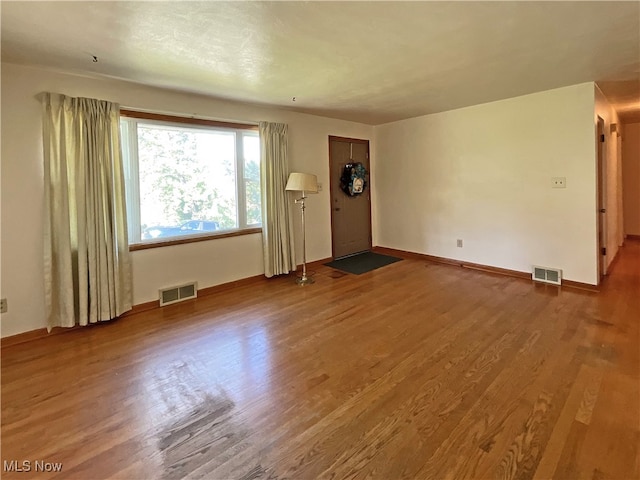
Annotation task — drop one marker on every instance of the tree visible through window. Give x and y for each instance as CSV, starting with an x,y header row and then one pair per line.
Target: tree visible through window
x,y
189,180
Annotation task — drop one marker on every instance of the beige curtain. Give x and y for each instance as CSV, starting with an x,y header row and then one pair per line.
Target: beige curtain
x,y
277,227
87,266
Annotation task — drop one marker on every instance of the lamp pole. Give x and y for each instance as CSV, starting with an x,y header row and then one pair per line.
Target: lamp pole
x,y
302,182
304,280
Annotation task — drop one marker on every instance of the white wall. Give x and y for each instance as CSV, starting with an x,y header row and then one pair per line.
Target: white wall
x,y
631,178
211,262
613,158
483,174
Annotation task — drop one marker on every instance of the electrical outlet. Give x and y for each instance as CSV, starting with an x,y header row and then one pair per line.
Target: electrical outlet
x,y
319,187
559,182
459,243
3,305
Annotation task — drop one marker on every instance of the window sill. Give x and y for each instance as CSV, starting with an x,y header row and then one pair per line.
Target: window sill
x,y
193,238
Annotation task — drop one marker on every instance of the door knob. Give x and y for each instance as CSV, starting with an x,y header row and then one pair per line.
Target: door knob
x,y
602,210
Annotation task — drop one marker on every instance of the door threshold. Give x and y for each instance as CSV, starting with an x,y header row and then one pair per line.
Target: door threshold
x,y
351,255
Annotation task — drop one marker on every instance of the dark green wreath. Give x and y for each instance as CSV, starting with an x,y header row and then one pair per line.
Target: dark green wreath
x,y
353,181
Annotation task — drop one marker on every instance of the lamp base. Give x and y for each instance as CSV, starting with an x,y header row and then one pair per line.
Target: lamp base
x,y
304,280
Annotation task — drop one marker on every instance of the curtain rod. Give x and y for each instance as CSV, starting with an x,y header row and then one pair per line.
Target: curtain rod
x,y
188,115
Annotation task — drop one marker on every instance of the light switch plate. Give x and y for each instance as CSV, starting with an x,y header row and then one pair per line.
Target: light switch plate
x,y
559,182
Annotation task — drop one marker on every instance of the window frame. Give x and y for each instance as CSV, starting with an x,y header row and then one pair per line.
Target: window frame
x,y
133,193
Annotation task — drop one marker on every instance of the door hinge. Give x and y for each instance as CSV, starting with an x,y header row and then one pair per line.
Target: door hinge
x,y
602,137
604,251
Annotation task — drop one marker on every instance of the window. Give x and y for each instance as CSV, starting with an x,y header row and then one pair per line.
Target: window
x,y
189,179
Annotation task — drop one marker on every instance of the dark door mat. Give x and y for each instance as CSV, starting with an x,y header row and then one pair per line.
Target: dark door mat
x,y
362,262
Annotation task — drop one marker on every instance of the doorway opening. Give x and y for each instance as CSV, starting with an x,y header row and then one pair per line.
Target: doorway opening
x,y
601,200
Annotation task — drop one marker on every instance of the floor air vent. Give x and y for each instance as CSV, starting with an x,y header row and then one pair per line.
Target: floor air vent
x,y
178,294
547,275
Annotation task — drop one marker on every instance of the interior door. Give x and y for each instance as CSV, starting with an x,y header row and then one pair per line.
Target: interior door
x,y
602,201
350,215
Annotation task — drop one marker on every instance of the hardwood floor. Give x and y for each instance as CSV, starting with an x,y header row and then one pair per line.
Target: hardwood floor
x,y
415,370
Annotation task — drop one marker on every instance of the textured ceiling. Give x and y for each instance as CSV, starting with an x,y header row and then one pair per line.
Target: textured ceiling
x,y
371,62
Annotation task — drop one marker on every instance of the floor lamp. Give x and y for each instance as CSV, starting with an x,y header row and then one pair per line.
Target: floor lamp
x,y
305,183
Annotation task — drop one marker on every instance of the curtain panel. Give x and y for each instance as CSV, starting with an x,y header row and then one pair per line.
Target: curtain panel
x,y
277,226
86,251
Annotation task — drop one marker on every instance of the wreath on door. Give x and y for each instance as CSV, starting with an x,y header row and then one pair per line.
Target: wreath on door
x,y
353,181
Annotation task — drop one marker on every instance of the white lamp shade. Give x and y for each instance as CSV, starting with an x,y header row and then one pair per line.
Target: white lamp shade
x,y
302,182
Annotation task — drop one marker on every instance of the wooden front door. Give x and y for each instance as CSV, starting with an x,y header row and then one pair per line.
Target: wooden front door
x,y
350,215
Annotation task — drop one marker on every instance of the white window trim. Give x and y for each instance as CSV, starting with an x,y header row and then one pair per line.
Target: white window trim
x,y
129,126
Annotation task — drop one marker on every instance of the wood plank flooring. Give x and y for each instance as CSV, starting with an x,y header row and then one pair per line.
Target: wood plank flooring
x,y
415,370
